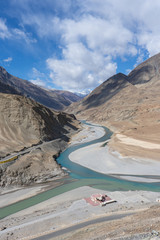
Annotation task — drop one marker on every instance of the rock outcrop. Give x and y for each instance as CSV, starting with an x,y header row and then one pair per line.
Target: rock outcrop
x,y
25,123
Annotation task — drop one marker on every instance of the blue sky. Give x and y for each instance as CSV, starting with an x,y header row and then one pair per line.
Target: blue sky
x,y
75,45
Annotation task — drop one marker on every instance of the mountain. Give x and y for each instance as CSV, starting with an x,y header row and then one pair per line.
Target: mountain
x,y
25,123
4,88
106,91
50,98
68,97
146,72
128,105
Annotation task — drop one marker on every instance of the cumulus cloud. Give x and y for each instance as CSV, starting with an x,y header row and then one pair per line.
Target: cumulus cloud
x,y
22,35
90,43
80,68
14,33
38,78
9,59
4,32
37,74
91,36
107,36
140,17
88,46
38,82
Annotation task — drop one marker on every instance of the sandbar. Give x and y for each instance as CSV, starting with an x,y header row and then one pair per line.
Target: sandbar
x,y
100,158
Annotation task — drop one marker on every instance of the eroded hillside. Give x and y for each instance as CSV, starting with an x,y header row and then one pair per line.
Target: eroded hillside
x,y
129,105
24,123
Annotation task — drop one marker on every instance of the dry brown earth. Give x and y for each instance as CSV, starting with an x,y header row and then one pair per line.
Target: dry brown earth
x,y
144,224
56,99
24,123
129,105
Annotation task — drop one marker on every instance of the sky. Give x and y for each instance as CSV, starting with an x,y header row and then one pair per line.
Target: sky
x,y
75,45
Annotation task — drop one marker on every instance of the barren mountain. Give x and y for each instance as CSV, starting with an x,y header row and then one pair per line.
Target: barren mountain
x,y
24,123
130,106
4,88
50,98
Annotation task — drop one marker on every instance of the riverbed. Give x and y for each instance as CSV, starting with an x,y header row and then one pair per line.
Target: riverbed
x,y
79,175
93,160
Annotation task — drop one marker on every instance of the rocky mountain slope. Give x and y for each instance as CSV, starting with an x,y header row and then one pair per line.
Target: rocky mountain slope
x,y
129,105
23,123
4,88
50,98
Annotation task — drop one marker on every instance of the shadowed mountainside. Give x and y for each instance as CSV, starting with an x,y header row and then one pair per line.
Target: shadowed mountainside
x,y
4,88
129,105
51,98
146,72
24,123
109,88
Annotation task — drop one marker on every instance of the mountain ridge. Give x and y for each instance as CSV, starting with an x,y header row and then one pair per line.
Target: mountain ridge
x,y
129,105
25,123
50,98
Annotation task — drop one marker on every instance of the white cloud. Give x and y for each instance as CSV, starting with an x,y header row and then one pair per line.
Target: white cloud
x,y
128,71
38,82
22,35
9,59
80,68
14,33
39,14
140,58
140,17
88,45
108,36
37,74
38,78
91,35
4,32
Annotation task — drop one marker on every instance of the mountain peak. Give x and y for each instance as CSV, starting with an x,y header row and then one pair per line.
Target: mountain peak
x,y
3,70
52,99
120,75
146,71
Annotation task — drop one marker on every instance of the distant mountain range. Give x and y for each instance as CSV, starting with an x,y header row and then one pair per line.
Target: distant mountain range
x,y
127,104
55,99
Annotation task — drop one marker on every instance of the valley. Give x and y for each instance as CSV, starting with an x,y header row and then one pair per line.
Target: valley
x,y
129,106
59,161
66,206
39,133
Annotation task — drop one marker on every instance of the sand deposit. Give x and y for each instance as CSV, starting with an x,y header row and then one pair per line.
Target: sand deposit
x,y
100,158
70,208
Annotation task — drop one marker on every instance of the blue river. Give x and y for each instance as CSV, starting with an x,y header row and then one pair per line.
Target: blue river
x,y
80,176
100,180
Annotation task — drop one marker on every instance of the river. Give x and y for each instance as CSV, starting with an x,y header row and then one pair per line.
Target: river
x,y
80,176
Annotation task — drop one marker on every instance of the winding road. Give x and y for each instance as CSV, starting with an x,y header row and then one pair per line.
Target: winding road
x,y
78,226
14,156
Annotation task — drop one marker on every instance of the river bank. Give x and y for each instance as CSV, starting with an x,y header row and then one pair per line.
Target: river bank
x,y
99,157
87,133
70,207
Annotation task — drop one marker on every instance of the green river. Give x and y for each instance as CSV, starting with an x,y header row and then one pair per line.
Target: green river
x,y
80,176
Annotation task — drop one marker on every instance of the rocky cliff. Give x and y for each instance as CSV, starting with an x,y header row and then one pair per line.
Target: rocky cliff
x,y
24,123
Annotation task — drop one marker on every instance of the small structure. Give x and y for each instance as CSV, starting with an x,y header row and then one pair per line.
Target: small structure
x,y
99,200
